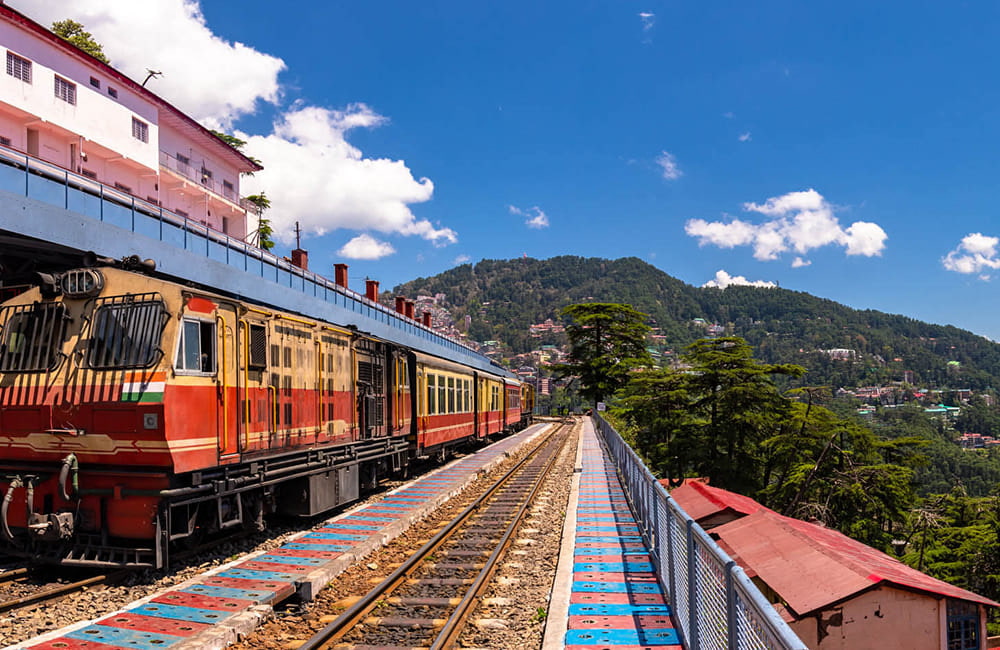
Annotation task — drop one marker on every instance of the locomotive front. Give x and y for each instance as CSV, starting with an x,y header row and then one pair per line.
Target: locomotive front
x,y
82,375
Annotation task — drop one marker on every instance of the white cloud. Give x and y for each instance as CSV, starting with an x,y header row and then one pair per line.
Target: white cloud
x,y
312,174
461,259
171,36
667,161
975,253
365,247
723,280
745,137
534,216
648,20
800,222
798,263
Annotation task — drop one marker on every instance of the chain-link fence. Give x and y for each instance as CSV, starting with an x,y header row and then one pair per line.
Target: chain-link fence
x,y
715,605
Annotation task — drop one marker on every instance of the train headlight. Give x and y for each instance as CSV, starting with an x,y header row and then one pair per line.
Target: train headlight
x,y
82,283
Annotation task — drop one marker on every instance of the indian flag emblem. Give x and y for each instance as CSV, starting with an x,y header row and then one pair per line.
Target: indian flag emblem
x,y
144,388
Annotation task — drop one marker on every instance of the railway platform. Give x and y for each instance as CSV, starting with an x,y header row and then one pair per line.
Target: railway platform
x,y
228,602
607,594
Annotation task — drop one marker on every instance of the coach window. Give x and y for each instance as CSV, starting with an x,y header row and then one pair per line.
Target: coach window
x,y
442,395
258,347
431,393
468,396
196,347
451,395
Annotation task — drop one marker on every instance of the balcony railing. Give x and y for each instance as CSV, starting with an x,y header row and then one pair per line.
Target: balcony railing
x,y
202,177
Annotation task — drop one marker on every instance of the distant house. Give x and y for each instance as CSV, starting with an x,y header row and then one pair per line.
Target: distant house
x,y
835,592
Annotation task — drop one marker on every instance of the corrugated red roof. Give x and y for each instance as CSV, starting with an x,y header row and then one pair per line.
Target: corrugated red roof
x,y
701,500
812,567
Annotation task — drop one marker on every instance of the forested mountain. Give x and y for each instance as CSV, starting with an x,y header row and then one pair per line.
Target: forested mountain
x,y
504,297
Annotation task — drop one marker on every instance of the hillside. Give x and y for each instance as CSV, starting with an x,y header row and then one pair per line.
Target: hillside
x,y
504,297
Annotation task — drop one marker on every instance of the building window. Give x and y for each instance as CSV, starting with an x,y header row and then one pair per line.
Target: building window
x,y
89,173
95,82
123,187
140,130
18,66
65,90
963,625
112,92
4,140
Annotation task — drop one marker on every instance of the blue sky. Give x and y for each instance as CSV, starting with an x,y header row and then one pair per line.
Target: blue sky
x,y
845,149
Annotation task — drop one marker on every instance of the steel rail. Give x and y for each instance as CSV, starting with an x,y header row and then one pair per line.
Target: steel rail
x,y
14,574
61,590
357,612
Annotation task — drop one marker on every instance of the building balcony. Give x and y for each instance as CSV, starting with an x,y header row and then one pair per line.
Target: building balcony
x,y
203,177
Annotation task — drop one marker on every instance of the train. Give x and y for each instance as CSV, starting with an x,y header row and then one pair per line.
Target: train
x,y
142,414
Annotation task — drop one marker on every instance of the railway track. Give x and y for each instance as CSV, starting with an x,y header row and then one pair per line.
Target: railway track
x,y
427,601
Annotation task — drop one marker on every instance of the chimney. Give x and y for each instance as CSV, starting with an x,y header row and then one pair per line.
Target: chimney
x,y
300,258
371,290
401,305
427,319
340,275
409,309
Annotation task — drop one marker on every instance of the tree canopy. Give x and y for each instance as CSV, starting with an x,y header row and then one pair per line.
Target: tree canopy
x,y
607,341
75,33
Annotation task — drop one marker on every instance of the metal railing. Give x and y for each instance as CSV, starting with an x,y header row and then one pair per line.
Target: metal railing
x,y
201,176
715,605
54,185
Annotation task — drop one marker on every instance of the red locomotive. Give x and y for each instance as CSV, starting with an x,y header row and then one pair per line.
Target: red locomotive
x,y
138,413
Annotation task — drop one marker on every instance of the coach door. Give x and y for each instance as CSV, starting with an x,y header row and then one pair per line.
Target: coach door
x,y
401,410
370,388
257,385
226,321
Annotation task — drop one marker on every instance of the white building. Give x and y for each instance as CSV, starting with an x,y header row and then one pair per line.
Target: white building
x,y
62,106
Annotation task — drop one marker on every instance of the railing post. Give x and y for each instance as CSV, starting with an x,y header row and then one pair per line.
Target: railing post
x,y
732,621
694,641
671,552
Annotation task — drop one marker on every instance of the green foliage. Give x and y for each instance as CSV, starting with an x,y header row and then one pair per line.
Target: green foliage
x,y
235,143
723,417
264,230
504,297
607,341
231,140
75,33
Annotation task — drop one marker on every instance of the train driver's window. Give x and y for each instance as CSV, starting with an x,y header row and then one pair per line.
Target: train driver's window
x,y
196,347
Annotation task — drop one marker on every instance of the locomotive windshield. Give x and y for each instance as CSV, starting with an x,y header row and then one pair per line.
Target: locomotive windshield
x,y
32,336
127,331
